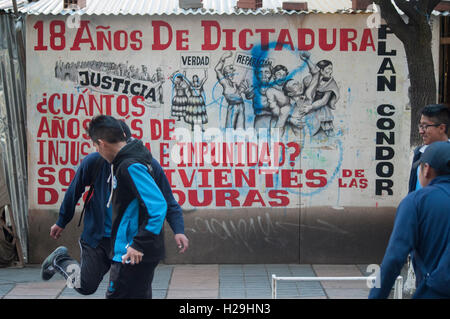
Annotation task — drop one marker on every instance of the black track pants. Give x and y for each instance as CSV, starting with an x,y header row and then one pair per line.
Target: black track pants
x,y
95,263
128,281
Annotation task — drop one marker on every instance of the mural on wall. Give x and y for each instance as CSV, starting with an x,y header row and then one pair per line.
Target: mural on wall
x,y
238,116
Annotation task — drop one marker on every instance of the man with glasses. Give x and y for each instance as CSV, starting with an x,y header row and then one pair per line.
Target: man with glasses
x,y
433,127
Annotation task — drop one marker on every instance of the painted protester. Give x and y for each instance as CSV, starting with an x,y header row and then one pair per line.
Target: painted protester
x,y
196,110
324,94
232,92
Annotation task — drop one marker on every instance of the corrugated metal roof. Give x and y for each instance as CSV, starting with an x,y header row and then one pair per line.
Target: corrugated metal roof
x,y
8,4
171,7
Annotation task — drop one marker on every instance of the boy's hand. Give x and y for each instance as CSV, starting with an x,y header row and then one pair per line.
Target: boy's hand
x,y
55,231
132,256
182,242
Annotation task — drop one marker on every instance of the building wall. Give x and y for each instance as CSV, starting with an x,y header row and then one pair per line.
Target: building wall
x,y
311,173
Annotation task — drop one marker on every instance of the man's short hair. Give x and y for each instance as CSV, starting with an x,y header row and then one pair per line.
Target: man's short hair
x,y
106,128
440,113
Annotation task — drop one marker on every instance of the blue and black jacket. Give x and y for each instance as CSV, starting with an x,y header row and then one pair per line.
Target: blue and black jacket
x,y
139,207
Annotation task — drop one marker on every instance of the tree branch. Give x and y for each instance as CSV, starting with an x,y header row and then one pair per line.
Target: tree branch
x,y
394,20
410,9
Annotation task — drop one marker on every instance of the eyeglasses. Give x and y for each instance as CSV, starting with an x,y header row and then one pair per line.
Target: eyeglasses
x,y
424,127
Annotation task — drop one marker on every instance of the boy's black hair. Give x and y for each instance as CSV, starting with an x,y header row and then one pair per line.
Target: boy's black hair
x,y
440,113
126,130
107,128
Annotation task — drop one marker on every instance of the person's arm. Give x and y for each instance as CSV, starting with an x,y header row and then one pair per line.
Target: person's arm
x,y
401,243
219,66
172,76
205,77
174,212
76,188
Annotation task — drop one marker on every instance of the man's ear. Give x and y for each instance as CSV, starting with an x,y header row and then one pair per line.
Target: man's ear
x,y
442,129
100,142
429,172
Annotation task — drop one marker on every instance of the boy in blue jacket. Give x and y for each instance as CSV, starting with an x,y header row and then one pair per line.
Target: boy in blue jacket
x,y
95,242
422,228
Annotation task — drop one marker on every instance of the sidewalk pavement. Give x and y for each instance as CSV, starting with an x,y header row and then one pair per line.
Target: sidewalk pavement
x,y
210,281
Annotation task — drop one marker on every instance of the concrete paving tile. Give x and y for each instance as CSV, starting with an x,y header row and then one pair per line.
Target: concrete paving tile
x,y
259,294
231,279
19,291
231,274
284,273
258,286
49,290
302,271
227,266
5,288
232,297
231,293
36,290
60,284
237,287
319,293
348,293
195,277
291,286
192,293
20,275
156,285
258,290
340,271
82,297
257,279
309,286
337,270
159,293
21,296
344,284
227,284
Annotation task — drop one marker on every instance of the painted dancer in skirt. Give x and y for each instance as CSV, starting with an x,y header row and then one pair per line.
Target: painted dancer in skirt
x,y
196,110
180,100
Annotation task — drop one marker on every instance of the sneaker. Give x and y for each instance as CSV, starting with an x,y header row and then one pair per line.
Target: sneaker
x,y
48,267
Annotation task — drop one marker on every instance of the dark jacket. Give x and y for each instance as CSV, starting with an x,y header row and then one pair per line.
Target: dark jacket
x,y
97,218
139,207
422,227
413,172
